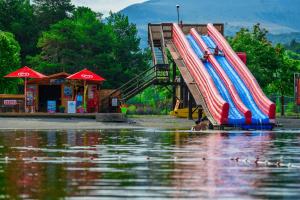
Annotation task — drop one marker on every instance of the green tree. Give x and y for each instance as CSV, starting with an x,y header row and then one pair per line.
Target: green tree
x,y
27,21
261,55
130,59
75,43
294,46
293,55
49,12
16,16
271,66
85,40
283,79
9,61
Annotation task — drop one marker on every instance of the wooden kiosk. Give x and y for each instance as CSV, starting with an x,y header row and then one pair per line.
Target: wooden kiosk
x,y
58,91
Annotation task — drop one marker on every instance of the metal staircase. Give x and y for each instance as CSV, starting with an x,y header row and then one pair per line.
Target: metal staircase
x,y
158,74
156,40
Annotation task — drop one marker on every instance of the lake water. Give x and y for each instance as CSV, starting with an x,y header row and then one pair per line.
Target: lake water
x,y
148,164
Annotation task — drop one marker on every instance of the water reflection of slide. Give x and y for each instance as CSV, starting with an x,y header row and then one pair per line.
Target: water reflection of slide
x,y
204,164
230,91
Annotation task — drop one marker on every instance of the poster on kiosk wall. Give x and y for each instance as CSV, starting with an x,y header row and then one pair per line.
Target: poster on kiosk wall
x,y
71,106
51,106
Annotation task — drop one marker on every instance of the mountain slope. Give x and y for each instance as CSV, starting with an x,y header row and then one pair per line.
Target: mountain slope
x,y
279,16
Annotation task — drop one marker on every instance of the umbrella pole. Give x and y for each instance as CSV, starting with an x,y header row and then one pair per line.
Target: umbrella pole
x,y
25,95
84,92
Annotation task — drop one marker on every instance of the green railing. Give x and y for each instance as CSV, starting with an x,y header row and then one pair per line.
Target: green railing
x,y
154,75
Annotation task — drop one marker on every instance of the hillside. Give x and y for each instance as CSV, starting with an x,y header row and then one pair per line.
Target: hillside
x,y
278,16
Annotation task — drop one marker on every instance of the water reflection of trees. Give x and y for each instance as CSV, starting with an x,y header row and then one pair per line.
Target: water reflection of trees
x,y
28,174
183,164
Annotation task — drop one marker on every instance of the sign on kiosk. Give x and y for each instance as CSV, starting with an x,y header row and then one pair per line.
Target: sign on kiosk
x,y
51,106
114,102
298,91
71,106
10,102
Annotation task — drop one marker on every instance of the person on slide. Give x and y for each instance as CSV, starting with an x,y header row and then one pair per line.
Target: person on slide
x,y
205,56
218,52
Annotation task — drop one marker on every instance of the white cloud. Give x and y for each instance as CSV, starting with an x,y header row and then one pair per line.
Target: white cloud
x,y
104,6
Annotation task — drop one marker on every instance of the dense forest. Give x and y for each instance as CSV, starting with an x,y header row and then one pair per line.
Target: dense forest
x,y
53,36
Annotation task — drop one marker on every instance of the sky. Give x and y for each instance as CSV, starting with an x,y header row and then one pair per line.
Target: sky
x,y
104,6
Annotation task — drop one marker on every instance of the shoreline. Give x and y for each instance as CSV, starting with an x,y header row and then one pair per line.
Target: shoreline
x,y
160,122
134,122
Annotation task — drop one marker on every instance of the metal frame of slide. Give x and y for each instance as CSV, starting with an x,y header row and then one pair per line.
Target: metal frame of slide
x,y
268,107
221,73
215,103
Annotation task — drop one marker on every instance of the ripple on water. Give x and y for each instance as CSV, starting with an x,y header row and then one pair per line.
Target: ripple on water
x,y
150,164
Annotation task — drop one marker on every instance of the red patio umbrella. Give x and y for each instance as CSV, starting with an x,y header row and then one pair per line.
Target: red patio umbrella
x,y
25,72
85,75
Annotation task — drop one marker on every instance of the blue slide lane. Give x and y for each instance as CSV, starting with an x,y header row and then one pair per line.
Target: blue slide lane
x,y
258,117
234,117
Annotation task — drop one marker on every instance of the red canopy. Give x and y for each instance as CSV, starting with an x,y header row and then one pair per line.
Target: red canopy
x,y
86,75
25,72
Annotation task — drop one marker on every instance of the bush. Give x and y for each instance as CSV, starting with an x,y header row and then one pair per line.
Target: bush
x,y
290,108
131,109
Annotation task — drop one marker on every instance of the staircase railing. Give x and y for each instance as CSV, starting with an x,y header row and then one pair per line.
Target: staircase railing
x,y
156,74
136,84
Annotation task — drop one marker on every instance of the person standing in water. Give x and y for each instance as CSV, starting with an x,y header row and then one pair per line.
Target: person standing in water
x,y
201,124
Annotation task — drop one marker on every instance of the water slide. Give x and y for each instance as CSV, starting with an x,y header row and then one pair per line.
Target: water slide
x,y
217,106
267,107
235,117
231,93
257,115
